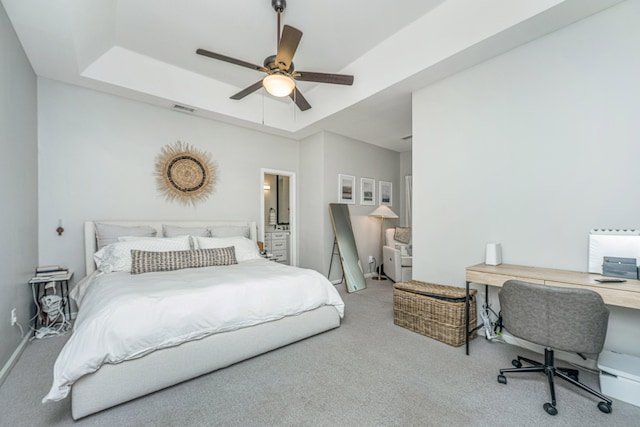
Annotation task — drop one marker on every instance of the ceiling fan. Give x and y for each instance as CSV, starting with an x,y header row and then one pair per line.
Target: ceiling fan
x,y
281,75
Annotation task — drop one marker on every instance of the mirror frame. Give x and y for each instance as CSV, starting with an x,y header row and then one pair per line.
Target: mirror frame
x,y
293,214
348,250
282,192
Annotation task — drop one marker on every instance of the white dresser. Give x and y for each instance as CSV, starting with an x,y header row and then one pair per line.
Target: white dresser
x,y
277,244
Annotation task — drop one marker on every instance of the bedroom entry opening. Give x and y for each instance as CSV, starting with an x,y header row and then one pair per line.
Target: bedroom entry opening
x,y
278,210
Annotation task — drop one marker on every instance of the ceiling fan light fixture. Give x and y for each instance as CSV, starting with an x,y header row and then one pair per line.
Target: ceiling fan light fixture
x,y
279,85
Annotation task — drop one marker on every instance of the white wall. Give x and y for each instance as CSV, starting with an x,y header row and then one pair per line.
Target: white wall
x,y
97,159
532,149
332,155
18,186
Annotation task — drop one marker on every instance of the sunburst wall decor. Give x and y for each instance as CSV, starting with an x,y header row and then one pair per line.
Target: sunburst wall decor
x,y
185,174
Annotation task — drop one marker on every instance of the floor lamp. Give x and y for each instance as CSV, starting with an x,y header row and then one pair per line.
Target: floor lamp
x,y
382,212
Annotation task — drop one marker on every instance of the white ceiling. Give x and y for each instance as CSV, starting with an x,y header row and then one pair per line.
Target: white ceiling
x,y
145,50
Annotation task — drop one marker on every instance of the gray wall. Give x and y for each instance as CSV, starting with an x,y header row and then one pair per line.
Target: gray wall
x,y
107,145
533,149
323,157
312,204
97,160
18,186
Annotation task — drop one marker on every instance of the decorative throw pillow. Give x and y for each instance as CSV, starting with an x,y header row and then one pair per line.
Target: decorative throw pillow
x,y
146,262
213,256
107,234
402,235
246,249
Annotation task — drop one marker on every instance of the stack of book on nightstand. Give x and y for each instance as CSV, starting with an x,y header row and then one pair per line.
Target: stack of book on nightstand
x,y
51,271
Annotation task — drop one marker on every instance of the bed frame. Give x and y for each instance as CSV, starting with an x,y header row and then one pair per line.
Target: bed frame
x,y
113,384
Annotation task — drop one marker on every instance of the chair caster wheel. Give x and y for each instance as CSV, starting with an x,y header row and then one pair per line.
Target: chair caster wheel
x,y
503,380
516,363
551,410
604,407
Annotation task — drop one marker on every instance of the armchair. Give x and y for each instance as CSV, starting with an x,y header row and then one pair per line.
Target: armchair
x,y
397,258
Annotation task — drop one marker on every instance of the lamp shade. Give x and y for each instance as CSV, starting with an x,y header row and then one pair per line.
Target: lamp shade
x,y
278,85
383,211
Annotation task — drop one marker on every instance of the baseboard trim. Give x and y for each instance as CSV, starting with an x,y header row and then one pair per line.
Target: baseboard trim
x,y
6,369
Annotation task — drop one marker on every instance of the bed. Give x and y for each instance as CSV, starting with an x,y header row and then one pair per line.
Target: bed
x,y
279,305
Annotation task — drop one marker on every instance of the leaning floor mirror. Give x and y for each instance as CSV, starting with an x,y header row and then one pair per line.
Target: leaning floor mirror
x,y
351,266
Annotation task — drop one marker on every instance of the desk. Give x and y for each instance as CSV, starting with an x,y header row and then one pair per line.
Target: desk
x,y
625,294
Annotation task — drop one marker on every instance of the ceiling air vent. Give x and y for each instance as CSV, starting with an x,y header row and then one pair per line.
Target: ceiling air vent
x,y
183,108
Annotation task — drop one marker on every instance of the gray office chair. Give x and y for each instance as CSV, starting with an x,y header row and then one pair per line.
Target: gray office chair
x,y
568,319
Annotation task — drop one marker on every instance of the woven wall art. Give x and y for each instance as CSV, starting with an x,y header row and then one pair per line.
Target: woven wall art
x,y
185,174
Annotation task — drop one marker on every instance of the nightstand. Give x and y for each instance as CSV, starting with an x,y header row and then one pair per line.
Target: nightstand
x,y
50,285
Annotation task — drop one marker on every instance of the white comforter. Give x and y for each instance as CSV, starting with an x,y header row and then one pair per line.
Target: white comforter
x,y
125,316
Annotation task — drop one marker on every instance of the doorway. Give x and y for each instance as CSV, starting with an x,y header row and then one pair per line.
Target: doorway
x,y
278,206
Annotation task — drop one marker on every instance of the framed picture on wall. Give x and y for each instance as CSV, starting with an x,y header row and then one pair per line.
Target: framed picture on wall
x,y
367,191
386,193
346,189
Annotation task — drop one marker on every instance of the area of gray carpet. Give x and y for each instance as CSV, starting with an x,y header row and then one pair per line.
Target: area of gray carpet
x,y
368,372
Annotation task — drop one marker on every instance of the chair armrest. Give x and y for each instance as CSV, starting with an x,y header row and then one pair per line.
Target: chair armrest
x,y
392,261
390,248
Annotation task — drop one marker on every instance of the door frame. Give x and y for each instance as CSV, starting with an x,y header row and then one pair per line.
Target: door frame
x,y
293,210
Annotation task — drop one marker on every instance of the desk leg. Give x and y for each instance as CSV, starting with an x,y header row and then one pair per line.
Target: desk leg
x,y
486,297
466,319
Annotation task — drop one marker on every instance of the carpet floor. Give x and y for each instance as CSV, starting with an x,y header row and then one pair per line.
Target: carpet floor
x,y
368,372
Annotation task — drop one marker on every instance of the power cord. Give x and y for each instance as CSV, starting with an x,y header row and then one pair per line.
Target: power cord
x,y
492,330
50,309
21,330
375,265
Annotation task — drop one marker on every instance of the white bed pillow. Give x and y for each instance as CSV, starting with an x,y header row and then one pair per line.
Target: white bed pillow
x,y
246,249
107,234
229,231
174,230
179,238
117,256
78,291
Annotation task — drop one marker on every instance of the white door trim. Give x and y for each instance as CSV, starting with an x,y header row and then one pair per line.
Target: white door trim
x,y
293,210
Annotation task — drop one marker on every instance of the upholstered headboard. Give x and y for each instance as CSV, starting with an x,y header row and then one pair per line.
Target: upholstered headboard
x,y
91,246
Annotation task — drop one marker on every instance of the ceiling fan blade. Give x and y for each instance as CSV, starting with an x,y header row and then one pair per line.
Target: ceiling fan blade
x,y
287,47
337,79
230,60
244,92
300,100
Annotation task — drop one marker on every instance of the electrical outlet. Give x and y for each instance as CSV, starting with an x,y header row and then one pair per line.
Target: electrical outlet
x,y
14,317
370,258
